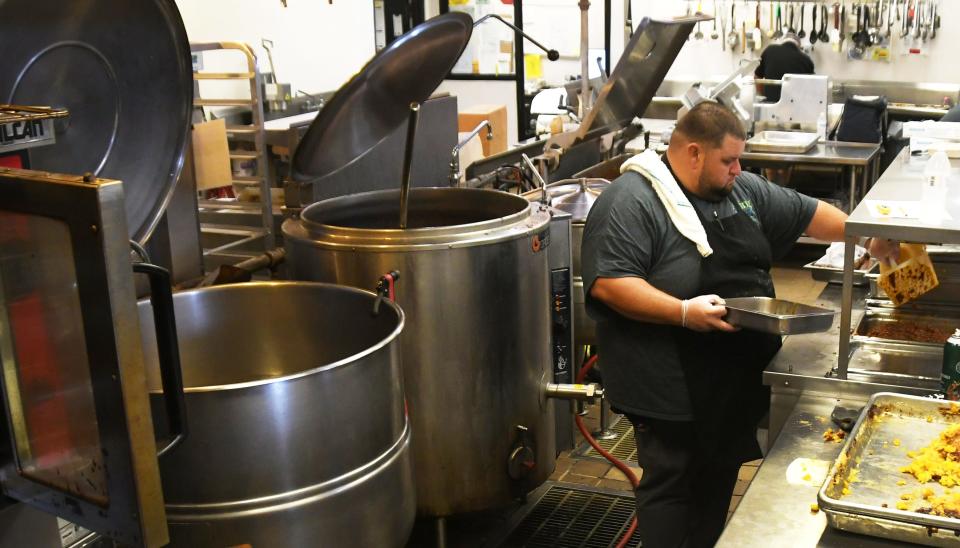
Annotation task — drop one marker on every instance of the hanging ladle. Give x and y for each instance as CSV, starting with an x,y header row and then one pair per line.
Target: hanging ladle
x,y
824,35
814,35
803,33
714,35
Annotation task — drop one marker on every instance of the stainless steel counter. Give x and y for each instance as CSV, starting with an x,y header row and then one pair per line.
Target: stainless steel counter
x,y
832,153
807,365
902,182
805,388
775,511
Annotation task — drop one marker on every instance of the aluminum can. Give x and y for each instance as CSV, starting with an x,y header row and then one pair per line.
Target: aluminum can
x,y
950,374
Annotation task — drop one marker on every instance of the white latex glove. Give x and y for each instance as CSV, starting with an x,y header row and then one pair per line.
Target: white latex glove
x,y
705,313
885,251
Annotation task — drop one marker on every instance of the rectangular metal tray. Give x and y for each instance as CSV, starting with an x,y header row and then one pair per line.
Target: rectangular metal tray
x,y
782,141
835,275
777,315
894,362
873,317
872,460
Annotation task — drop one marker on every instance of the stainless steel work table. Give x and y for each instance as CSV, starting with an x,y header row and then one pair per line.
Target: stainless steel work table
x,y
287,131
775,511
859,160
807,364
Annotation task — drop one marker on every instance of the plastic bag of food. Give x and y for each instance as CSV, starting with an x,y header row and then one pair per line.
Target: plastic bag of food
x,y
912,277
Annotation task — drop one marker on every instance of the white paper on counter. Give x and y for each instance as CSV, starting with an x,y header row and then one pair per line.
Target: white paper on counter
x,y
894,209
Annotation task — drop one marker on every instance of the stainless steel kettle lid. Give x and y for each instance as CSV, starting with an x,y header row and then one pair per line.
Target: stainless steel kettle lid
x,y
376,101
574,196
122,69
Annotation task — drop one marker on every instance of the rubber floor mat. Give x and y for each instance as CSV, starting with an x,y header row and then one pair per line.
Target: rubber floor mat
x,y
567,516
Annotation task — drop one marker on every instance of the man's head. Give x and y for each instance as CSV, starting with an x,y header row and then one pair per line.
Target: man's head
x,y
790,37
705,150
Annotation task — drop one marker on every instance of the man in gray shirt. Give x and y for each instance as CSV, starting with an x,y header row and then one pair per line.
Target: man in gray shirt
x,y
690,382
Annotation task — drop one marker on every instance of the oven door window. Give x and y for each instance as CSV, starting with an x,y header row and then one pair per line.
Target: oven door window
x,y
45,363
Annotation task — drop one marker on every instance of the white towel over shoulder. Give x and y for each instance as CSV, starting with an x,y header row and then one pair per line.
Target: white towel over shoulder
x,y
678,207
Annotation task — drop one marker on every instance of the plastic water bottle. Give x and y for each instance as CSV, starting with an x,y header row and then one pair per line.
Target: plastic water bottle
x,y
934,192
822,126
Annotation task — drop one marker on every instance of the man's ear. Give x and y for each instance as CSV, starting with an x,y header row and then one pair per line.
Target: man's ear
x,y
695,154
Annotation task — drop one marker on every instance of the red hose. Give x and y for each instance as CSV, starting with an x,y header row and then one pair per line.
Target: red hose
x,y
631,477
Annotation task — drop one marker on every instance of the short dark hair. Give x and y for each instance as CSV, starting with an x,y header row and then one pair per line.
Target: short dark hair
x,y
708,123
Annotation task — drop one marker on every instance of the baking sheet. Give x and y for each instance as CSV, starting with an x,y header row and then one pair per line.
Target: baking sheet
x,y
782,141
868,467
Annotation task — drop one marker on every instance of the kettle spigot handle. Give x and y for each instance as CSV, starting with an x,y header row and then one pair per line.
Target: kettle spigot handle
x,y
536,174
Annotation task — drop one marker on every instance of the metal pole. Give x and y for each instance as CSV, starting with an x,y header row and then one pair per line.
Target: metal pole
x,y
407,160
603,432
846,303
628,22
441,532
584,61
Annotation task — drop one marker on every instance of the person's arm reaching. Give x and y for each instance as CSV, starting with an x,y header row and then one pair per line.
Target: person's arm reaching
x,y
636,299
827,223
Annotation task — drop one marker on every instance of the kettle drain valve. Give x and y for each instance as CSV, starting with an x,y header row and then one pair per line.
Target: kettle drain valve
x,y
581,392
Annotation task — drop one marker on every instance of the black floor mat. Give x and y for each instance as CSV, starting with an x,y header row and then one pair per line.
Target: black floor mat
x,y
569,516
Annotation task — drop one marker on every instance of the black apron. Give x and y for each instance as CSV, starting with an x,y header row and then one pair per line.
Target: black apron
x,y
724,370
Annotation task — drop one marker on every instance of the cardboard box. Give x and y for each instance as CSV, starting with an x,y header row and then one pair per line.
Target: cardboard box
x,y
469,117
211,155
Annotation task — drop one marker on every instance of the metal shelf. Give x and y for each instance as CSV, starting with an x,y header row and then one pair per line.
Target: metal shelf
x,y
240,236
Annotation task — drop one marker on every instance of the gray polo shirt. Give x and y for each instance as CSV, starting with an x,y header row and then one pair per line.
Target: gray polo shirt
x,y
629,234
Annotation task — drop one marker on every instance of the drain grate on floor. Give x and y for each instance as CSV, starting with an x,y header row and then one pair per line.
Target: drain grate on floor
x,y
575,518
624,446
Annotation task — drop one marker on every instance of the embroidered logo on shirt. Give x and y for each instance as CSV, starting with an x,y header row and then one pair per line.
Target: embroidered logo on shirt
x,y
747,207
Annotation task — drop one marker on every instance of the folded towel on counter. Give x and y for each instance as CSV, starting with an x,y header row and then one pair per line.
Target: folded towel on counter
x,y
678,207
834,256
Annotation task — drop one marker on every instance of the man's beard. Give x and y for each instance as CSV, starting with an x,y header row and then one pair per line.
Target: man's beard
x,y
713,193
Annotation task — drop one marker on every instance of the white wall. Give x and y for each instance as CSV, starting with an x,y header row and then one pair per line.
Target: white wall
x,y
704,59
553,23
318,45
